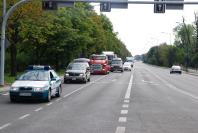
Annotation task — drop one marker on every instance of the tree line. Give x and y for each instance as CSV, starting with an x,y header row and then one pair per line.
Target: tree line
x,y
57,37
183,52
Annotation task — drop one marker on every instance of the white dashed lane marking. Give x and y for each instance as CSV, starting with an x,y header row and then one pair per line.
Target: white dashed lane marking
x,y
125,105
38,109
122,119
24,116
4,126
126,101
120,130
49,104
58,99
123,112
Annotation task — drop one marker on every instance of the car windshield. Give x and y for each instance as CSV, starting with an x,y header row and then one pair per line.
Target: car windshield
x,y
116,62
76,67
127,64
35,75
98,57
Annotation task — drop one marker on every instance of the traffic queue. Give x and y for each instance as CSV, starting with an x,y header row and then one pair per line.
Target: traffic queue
x,y
43,83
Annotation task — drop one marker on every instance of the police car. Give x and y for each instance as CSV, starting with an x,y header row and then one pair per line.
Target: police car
x,y
38,82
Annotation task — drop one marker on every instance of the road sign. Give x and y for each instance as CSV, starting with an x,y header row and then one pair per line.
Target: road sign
x,y
175,6
159,8
120,5
105,6
49,5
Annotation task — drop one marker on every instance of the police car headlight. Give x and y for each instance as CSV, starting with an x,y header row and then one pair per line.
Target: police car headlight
x,y
37,89
66,74
14,89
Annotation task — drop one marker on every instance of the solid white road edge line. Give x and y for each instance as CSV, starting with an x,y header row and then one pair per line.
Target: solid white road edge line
x,y
5,125
128,92
174,87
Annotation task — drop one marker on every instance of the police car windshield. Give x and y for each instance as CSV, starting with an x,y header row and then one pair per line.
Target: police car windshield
x,y
76,67
35,75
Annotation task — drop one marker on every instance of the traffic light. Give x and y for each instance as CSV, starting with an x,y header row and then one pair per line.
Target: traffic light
x,y
105,7
49,5
159,8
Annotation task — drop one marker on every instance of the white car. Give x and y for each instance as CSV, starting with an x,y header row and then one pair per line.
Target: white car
x,y
127,66
175,69
38,82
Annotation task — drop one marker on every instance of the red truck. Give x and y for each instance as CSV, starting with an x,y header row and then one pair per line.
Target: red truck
x,y
99,64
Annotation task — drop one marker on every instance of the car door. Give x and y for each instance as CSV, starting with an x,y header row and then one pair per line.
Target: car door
x,y
53,83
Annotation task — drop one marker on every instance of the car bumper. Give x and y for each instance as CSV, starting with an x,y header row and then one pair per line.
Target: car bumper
x,y
175,71
74,78
29,95
116,69
98,71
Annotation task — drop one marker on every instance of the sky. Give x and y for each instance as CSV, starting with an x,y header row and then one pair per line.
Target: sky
x,y
140,28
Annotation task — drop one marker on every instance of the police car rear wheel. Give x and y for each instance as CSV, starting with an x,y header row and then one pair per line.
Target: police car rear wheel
x,y
58,94
48,96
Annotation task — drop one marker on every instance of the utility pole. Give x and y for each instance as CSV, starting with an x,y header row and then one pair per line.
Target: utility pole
x,y
2,45
187,45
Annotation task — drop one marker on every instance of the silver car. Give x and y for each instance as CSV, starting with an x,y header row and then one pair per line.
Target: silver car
x,y
77,72
175,69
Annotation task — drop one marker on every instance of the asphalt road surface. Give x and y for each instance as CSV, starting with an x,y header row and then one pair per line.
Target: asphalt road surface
x,y
146,100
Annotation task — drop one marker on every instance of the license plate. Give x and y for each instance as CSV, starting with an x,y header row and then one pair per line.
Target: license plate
x,y
73,78
25,94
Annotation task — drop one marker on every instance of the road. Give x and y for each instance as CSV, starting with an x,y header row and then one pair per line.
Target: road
x,y
146,100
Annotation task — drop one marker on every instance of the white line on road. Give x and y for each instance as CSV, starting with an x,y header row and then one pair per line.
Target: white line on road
x,y
38,109
58,99
49,104
124,112
122,119
126,101
67,95
5,125
120,130
128,92
125,105
24,116
174,87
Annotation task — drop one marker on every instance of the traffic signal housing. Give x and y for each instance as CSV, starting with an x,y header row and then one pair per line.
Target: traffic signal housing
x,y
49,5
159,8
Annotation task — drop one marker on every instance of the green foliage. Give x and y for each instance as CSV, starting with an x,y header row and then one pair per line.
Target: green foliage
x,y
57,37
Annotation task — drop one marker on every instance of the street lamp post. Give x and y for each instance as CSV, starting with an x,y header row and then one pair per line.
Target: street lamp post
x,y
3,29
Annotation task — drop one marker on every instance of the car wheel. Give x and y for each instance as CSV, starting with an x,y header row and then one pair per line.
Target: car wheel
x,y
59,91
89,79
85,80
12,99
48,96
66,81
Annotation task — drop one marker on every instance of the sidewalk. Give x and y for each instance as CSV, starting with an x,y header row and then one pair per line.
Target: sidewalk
x,y
4,88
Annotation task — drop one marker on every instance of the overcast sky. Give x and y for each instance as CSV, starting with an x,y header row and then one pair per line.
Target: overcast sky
x,y
139,28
